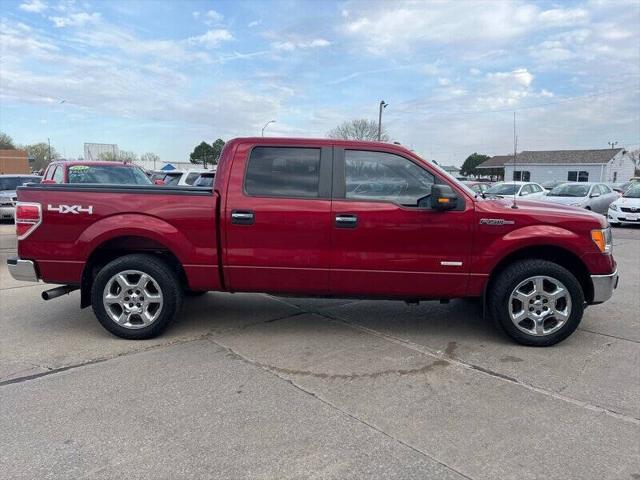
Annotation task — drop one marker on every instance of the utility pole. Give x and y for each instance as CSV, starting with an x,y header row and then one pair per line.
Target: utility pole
x,y
613,144
382,105
266,125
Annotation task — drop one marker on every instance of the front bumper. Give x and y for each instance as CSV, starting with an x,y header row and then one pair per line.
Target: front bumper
x,y
617,216
603,286
24,270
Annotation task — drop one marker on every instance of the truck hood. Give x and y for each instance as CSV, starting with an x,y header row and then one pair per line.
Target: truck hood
x,y
540,211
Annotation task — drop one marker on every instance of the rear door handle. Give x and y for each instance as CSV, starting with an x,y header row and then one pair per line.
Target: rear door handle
x,y
346,220
242,217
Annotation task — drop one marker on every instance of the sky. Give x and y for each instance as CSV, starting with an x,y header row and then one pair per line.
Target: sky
x,y
162,76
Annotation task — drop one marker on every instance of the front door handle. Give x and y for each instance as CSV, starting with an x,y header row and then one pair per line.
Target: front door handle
x,y
346,220
242,217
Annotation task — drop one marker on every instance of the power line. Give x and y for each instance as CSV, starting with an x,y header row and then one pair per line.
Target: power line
x,y
529,107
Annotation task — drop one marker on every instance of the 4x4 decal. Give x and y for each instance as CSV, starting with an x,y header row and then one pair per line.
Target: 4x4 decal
x,y
75,209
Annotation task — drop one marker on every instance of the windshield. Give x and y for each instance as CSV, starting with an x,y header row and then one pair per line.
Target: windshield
x,y
11,183
172,178
503,189
118,175
570,190
204,181
633,192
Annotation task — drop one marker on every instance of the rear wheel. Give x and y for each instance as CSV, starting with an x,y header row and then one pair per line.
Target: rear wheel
x,y
136,296
536,302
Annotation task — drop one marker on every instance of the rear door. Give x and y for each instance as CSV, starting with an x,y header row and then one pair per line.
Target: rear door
x,y
384,244
277,219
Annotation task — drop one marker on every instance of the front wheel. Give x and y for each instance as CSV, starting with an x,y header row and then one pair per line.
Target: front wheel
x,y
136,296
536,302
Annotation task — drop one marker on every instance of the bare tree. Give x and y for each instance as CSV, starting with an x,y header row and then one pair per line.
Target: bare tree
x,y
6,142
150,157
635,157
122,156
358,129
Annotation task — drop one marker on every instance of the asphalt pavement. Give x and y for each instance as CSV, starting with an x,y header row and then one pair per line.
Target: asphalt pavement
x,y
262,387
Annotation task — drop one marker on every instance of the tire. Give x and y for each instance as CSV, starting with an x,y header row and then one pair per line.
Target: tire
x,y
121,285
543,319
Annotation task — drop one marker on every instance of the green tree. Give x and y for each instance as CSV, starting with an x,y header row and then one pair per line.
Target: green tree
x,y
41,154
218,145
203,153
359,129
469,167
6,142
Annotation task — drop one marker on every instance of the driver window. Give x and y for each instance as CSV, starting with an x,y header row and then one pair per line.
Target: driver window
x,y
386,177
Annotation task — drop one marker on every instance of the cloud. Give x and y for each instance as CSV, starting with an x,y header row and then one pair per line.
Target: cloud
x,y
75,19
520,76
290,45
212,38
254,23
409,25
212,17
33,6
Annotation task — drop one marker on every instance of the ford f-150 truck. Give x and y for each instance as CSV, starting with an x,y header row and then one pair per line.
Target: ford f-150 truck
x,y
314,218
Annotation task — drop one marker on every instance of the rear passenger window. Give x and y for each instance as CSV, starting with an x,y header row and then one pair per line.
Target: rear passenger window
x,y
58,175
283,172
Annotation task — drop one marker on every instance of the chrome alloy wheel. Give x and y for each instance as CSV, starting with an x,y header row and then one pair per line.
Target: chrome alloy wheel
x,y
132,299
540,305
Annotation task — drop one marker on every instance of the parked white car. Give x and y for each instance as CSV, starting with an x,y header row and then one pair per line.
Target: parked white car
x,y
627,208
520,189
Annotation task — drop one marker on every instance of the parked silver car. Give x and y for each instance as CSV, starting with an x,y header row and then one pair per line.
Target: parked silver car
x,y
592,196
8,185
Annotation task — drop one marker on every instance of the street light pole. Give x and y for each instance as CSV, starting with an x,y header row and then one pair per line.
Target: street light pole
x,y
266,125
382,105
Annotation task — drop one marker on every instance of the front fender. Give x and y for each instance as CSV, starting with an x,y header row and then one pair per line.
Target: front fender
x,y
501,246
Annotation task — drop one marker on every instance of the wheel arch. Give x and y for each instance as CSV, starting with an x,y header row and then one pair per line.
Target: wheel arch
x,y
553,253
119,246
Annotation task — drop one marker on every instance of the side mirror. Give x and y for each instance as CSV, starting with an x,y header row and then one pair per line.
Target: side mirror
x,y
159,182
595,194
443,198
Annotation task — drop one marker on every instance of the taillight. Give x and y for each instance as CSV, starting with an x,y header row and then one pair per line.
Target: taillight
x,y
28,218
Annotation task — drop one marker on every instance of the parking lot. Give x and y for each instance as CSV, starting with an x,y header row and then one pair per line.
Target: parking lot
x,y
256,386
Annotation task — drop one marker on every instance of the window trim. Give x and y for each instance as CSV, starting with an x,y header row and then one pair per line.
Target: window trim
x,y
324,175
340,181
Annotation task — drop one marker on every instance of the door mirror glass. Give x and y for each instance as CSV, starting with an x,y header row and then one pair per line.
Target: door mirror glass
x,y
442,198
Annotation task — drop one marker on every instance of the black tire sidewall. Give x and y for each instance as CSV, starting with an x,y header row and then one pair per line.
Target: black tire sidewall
x,y
161,273
514,274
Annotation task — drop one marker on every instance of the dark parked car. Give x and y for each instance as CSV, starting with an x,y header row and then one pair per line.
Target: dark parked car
x,y
478,187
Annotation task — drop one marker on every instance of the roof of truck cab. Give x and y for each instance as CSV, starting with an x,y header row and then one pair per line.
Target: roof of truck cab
x,y
318,141
70,163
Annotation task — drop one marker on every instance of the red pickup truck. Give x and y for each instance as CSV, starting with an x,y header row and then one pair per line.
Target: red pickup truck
x,y
314,218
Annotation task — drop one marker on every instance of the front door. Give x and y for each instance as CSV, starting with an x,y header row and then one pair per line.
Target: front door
x,y
383,243
277,219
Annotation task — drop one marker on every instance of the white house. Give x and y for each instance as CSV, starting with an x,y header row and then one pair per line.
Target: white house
x,y
606,165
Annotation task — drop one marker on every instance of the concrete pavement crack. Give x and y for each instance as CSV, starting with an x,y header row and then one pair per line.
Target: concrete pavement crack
x,y
485,371
275,371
